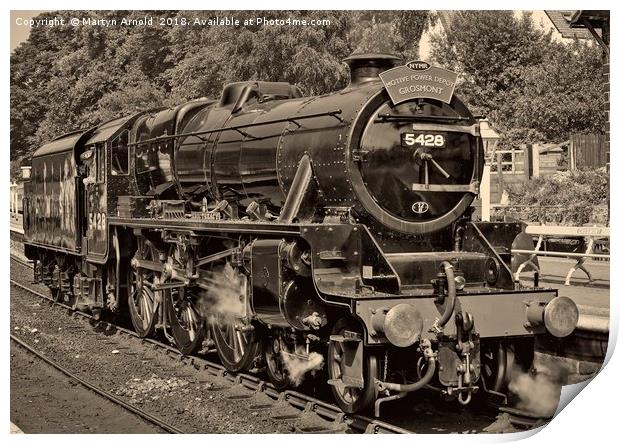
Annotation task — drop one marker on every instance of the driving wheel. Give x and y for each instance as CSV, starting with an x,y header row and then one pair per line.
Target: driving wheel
x,y
235,339
186,321
142,300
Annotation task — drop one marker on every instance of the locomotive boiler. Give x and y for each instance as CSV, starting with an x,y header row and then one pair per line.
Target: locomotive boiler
x,y
332,233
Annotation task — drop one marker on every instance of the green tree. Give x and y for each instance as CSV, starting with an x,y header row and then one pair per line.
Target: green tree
x,y
488,49
309,56
68,77
396,32
30,74
570,197
531,87
561,95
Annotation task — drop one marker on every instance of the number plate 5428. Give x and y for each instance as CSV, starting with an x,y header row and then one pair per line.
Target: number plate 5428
x,y
423,139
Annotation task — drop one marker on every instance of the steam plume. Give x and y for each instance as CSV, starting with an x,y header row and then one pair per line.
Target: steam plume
x,y
298,365
538,394
224,300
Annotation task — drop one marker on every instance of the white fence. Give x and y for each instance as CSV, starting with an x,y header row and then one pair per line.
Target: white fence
x,y
590,234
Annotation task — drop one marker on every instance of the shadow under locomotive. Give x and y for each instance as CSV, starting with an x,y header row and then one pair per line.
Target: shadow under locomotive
x,y
294,233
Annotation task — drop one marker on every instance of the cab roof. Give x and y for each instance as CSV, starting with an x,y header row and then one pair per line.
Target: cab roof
x,y
109,129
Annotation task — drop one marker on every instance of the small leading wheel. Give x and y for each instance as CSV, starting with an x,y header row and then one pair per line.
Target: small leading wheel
x,y
185,320
235,340
499,361
142,302
276,369
351,399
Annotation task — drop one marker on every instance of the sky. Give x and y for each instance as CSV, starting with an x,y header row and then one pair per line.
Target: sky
x,y
20,33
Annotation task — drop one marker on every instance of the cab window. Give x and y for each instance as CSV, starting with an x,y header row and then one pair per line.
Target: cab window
x,y
120,154
100,161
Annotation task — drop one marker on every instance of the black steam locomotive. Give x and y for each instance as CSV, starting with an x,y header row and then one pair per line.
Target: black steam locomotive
x,y
291,232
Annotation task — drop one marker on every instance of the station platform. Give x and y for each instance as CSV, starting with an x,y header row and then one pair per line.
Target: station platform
x,y
592,298
555,269
591,294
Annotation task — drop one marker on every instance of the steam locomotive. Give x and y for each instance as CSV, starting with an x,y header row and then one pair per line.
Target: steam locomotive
x,y
276,228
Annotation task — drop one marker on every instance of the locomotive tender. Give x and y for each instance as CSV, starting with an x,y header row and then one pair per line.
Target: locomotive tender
x,y
273,226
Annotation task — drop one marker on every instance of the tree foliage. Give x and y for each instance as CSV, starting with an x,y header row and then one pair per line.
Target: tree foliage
x,y
307,56
67,77
561,95
398,32
569,197
533,88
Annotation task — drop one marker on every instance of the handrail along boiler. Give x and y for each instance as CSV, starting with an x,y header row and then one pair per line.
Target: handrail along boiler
x,y
284,229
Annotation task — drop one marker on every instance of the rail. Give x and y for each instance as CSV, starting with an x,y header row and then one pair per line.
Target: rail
x,y
590,234
103,393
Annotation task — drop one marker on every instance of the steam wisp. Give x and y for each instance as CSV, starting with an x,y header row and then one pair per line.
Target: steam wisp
x,y
224,300
298,365
223,303
538,393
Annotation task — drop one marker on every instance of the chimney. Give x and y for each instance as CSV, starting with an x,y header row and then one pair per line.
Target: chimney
x,y
367,67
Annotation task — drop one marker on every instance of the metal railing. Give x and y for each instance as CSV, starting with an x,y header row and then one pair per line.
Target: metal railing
x,y
590,234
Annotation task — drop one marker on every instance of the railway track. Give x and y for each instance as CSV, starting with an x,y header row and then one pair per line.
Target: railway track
x,y
315,415
99,391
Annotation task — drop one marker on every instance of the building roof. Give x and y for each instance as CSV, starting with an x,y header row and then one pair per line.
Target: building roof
x,y
565,21
487,131
597,15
